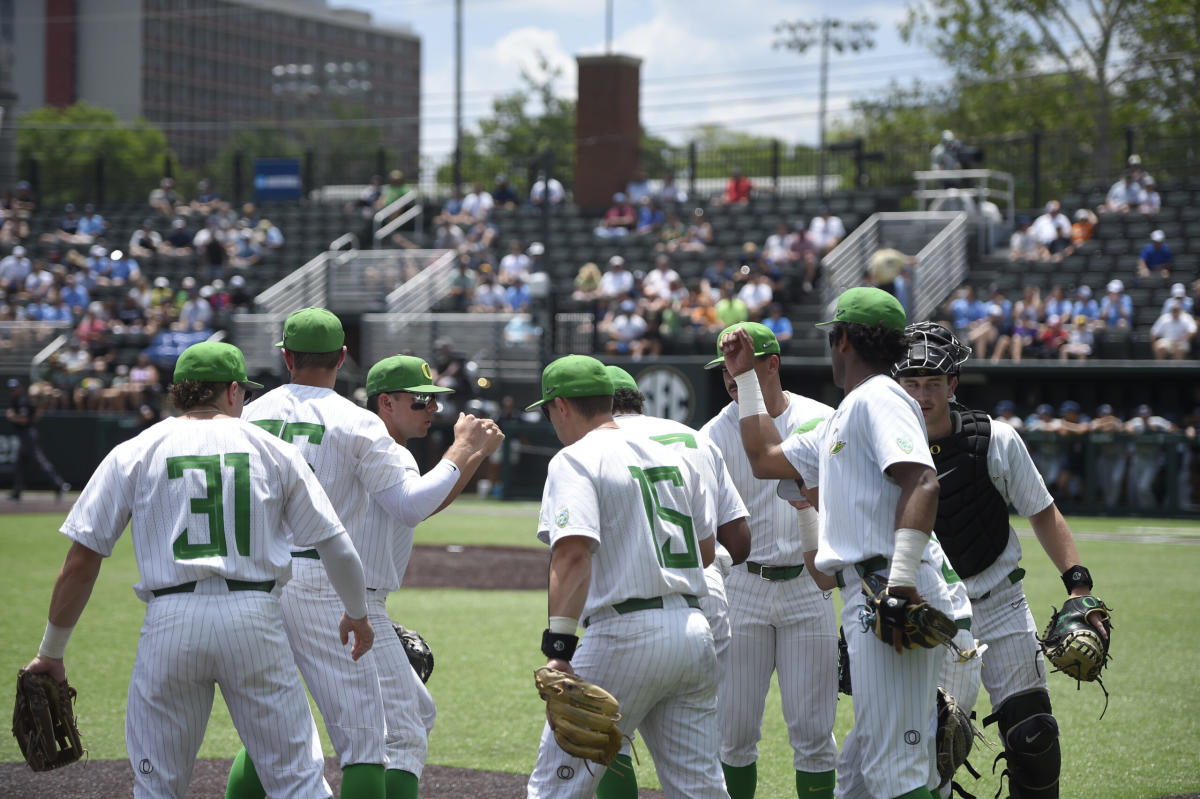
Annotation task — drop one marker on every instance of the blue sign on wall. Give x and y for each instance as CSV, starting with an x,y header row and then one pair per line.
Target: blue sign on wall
x,y
277,179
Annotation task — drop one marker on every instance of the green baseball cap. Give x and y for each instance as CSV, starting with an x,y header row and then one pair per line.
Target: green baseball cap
x,y
213,362
312,330
764,340
620,378
574,376
402,373
867,305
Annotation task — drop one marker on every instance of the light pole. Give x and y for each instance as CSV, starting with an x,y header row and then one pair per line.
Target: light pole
x,y
841,35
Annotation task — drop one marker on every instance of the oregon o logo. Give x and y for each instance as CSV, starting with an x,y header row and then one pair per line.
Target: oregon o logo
x,y
935,449
565,772
668,393
145,767
912,737
426,371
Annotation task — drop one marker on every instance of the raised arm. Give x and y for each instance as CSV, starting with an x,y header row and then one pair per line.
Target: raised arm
x,y
760,439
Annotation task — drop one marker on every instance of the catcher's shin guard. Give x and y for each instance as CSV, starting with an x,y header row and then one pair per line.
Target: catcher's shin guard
x,y
1029,733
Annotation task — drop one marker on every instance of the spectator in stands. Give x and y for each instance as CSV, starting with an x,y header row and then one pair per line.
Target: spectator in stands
x,y
517,297
658,281
1179,292
777,323
1057,303
131,316
702,315
38,282
503,194
1052,232
196,313
1112,452
671,233
618,220
1052,337
448,236
804,253
119,269
966,310
91,226
145,241
397,187
516,265
209,243
1172,333
1080,340
15,268
730,308
617,281
737,189
1149,455
179,239
699,234
638,187
587,283
1156,259
462,287
74,294
626,330
757,295
220,299
1085,305
52,308
1152,203
945,154
1022,246
826,231
68,228
650,218
546,191
267,235
1082,227
1134,164
1125,195
207,201
489,297
670,192
718,272
1006,411
165,200
143,378
452,210
247,253
241,300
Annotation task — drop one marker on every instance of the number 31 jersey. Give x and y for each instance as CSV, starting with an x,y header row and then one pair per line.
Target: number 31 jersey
x,y
209,498
641,504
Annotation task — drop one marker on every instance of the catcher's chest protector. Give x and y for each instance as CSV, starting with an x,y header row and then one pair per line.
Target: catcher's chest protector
x,y
972,516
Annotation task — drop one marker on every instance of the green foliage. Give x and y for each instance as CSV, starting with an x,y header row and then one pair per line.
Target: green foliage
x,y
66,143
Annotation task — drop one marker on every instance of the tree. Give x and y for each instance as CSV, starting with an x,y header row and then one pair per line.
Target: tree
x,y
66,143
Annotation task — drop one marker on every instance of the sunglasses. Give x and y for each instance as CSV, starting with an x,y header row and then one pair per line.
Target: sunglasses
x,y
420,401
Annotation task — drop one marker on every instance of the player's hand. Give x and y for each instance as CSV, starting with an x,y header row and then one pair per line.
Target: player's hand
x,y
472,431
895,612
52,666
560,665
738,349
364,635
494,437
799,504
1093,619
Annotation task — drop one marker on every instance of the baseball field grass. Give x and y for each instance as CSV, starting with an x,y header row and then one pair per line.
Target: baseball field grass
x,y
486,647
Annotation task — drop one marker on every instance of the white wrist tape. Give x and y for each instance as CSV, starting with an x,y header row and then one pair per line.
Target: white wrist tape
x,y
906,557
563,625
809,530
54,641
750,397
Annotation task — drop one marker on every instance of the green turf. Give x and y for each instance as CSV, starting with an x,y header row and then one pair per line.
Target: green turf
x,y
486,645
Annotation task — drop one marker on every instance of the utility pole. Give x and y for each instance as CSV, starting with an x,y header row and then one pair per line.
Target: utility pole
x,y
608,26
458,67
841,35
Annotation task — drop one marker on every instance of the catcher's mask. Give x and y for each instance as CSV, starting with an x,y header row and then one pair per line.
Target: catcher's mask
x,y
932,350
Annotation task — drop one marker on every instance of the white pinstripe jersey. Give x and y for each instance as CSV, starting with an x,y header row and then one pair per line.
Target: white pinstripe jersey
x,y
1017,479
209,498
641,503
876,425
774,524
348,447
386,543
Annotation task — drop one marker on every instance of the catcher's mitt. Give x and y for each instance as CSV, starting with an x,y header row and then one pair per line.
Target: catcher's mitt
x,y
582,714
1072,644
956,735
44,722
418,651
920,623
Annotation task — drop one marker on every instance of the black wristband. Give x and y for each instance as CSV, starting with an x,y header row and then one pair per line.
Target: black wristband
x,y
560,646
1076,576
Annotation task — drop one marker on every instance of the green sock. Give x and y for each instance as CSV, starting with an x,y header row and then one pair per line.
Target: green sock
x,y
917,793
741,781
400,784
243,779
815,784
619,780
363,781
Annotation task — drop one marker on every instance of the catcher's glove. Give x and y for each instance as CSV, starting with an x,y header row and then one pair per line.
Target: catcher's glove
x,y
44,722
418,651
1072,644
955,737
920,623
582,714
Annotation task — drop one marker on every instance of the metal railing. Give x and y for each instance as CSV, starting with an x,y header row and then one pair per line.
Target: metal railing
x,y
305,287
497,344
21,343
979,192
388,219
427,286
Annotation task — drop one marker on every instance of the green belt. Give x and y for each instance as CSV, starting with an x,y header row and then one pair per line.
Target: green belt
x,y
651,603
874,564
1015,576
307,553
774,573
234,585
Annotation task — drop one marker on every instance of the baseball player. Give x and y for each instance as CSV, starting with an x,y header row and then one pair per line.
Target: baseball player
x,y
877,502
780,618
733,532
216,506
621,513
354,459
23,415
401,393
983,467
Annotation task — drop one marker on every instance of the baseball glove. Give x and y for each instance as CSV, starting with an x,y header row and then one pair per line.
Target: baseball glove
x,y
956,735
920,623
418,651
583,715
1072,644
44,722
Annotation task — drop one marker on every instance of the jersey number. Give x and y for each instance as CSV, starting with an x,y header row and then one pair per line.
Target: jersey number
x,y
288,431
667,556
212,504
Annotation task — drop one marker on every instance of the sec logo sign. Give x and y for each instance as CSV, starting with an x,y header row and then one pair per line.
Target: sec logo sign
x,y
668,393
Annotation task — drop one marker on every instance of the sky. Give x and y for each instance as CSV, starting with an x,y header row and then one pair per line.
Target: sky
x,y
703,61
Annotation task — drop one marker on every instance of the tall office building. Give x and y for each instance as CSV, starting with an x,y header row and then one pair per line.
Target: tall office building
x,y
200,69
